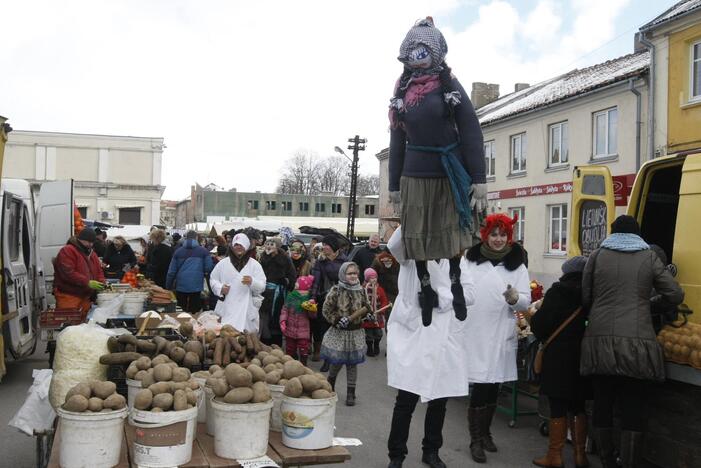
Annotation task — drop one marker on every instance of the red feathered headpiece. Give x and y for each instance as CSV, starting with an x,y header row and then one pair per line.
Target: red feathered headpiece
x,y
501,221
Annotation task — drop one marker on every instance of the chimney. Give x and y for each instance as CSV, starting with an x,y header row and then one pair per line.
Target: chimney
x,y
638,46
521,86
483,93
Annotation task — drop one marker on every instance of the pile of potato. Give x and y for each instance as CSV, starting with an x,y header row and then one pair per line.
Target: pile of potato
x,y
128,348
165,386
232,346
94,397
683,344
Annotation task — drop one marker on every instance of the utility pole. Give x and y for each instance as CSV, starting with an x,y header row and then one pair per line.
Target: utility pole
x,y
356,144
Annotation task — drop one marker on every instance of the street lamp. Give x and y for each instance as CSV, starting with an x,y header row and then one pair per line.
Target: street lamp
x,y
339,150
356,144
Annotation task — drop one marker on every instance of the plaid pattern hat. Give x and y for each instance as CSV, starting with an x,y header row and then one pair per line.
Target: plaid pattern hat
x,y
424,32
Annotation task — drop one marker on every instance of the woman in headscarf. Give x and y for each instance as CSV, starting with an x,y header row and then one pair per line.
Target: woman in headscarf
x,y
344,342
436,162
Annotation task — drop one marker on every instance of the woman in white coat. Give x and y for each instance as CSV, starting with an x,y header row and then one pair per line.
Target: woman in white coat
x,y
501,277
239,282
425,362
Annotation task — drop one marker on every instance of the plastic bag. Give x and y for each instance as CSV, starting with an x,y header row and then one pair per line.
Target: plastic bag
x,y
108,310
36,414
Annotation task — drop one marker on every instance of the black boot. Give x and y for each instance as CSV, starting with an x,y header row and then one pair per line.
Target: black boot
x,y
473,422
459,305
433,460
350,396
396,463
332,382
631,448
604,441
324,367
486,421
376,348
371,350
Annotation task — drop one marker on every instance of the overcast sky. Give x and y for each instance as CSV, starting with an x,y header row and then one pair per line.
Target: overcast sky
x,y
237,87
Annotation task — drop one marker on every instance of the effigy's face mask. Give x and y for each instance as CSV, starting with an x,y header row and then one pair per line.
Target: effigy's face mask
x,y
296,252
387,263
419,57
269,247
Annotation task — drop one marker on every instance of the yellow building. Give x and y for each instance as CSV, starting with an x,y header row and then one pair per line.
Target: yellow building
x,y
674,39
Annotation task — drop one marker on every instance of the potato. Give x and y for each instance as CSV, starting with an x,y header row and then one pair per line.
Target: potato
x,y
195,347
143,363
270,368
194,384
140,375
131,371
156,410
325,385
202,374
127,339
79,389
178,386
319,376
261,392
186,331
293,388
181,374
292,369
218,374
113,344
310,383
143,399
209,336
103,389
95,404
177,354
257,373
286,358
163,401
115,402
179,400
277,352
191,396
220,387
148,380
273,378
239,378
213,368
279,365
282,382
262,355
76,403
160,387
270,359
239,395
320,394
162,373
172,365
160,359
191,359
257,362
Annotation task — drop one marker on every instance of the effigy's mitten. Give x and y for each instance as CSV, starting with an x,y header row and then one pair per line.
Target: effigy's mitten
x,y
428,299
459,305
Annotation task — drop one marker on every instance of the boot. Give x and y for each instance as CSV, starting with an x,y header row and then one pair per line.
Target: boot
x,y
473,422
332,382
325,367
396,463
317,350
557,435
350,396
486,423
578,429
631,448
303,359
376,348
604,441
432,460
371,350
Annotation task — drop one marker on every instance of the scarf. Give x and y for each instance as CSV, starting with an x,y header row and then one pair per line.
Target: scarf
x,y
238,263
294,300
494,255
371,291
624,242
342,279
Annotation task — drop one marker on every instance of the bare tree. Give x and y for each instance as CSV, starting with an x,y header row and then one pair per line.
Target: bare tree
x,y
368,185
332,175
298,174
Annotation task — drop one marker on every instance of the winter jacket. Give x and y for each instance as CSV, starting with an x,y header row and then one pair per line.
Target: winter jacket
x,y
280,275
73,269
364,258
325,273
157,263
380,302
341,302
296,318
426,124
560,376
620,339
279,269
117,259
387,277
188,267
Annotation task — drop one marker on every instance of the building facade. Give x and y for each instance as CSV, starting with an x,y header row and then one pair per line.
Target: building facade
x,y
117,179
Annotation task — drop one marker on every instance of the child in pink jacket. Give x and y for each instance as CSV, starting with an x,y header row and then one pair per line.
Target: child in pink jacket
x,y
294,319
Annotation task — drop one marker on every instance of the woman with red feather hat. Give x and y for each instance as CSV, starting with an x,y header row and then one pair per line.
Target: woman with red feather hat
x,y
498,266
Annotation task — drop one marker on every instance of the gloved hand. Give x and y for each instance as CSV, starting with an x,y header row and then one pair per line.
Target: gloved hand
x,y
371,318
283,326
511,295
343,323
479,197
96,285
396,201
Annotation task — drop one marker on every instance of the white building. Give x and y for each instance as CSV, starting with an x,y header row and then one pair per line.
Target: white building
x,y
117,179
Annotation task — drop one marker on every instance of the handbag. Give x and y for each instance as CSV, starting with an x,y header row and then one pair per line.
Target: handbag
x,y
538,361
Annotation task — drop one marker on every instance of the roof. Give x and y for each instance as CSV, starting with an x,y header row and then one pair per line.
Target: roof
x,y
681,8
571,84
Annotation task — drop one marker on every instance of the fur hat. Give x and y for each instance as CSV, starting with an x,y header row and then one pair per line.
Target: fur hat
x,y
369,273
574,264
304,283
625,224
87,235
501,221
242,240
331,241
275,240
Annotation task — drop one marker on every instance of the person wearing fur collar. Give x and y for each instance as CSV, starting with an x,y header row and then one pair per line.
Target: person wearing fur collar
x,y
281,275
498,266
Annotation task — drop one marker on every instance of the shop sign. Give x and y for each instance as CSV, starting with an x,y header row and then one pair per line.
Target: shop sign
x,y
533,191
592,225
621,188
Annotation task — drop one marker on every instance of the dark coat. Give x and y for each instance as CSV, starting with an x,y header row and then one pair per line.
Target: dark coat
x,y
157,263
387,277
116,259
364,257
325,276
560,376
281,275
279,269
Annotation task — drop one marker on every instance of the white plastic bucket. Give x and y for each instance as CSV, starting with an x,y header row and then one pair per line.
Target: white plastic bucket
x,y
208,395
275,417
105,297
133,387
308,424
160,426
241,431
134,303
201,409
91,439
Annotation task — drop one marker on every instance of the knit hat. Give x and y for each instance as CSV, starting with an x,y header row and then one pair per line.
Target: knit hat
x,y
574,264
190,235
304,283
370,273
87,235
501,221
242,240
626,225
331,241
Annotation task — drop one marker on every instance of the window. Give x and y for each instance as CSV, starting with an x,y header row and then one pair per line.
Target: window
x,y
520,224
518,153
270,205
303,206
558,229
489,160
83,212
369,209
335,207
13,228
253,204
287,206
559,144
695,80
320,207
606,133
130,216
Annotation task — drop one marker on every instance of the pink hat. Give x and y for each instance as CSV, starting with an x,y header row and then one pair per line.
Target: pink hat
x,y
369,273
304,283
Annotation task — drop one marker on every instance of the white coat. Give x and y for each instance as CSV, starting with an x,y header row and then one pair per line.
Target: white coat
x,y
427,361
491,328
239,309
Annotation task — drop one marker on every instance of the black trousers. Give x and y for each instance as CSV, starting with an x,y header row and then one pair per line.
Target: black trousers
x,y
189,302
559,407
484,394
401,420
631,395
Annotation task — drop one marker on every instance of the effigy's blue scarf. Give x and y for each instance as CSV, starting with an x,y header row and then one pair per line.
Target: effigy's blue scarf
x,y
624,242
460,181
